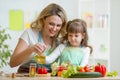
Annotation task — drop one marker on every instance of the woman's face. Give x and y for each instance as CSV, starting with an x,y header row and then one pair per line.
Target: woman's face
x,y
52,25
75,39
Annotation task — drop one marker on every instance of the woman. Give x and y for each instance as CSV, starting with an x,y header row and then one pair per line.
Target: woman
x,y
41,37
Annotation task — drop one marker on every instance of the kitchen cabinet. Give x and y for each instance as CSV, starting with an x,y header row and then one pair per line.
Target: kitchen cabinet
x,y
97,15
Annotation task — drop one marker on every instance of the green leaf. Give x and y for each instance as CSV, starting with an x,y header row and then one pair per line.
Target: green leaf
x,y
5,52
112,74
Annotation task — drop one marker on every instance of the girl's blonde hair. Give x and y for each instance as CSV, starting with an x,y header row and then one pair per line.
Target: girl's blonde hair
x,y
51,9
77,26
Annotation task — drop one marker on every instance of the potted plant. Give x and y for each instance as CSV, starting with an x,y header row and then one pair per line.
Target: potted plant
x,y
5,52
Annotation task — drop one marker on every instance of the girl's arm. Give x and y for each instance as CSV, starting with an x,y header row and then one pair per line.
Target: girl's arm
x,y
86,57
55,54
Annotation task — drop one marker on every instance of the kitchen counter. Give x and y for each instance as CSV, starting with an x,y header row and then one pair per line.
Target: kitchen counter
x,y
57,78
18,77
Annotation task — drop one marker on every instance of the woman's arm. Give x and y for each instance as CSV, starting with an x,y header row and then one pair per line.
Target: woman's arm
x,y
86,57
22,52
55,54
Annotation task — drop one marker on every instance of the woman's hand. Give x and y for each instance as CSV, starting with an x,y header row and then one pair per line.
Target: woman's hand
x,y
39,48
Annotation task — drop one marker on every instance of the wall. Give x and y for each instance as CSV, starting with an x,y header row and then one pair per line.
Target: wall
x,y
33,7
115,37
71,7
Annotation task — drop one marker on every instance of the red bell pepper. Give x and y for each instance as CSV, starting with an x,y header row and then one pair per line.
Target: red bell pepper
x,y
42,70
100,68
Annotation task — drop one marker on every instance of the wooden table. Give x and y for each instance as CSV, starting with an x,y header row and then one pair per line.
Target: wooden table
x,y
54,78
57,78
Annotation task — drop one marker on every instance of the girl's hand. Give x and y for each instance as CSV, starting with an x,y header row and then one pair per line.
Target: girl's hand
x,y
39,48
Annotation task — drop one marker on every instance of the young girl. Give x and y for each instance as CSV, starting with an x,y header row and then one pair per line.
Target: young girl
x,y
74,47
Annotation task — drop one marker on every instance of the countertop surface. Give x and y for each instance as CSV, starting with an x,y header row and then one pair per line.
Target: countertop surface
x,y
48,77
56,78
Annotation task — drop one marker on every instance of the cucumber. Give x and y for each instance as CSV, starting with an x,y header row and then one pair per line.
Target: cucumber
x,y
86,75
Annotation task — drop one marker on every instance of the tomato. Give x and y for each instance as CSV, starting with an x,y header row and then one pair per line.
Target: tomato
x,y
61,68
87,68
100,68
42,70
82,69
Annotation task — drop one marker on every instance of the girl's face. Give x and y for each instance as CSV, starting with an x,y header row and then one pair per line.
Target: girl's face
x,y
52,25
75,39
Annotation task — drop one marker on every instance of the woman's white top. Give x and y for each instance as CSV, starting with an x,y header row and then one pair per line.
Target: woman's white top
x,y
30,36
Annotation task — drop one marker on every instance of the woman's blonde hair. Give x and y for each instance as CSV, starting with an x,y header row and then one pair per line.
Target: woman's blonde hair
x,y
51,9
